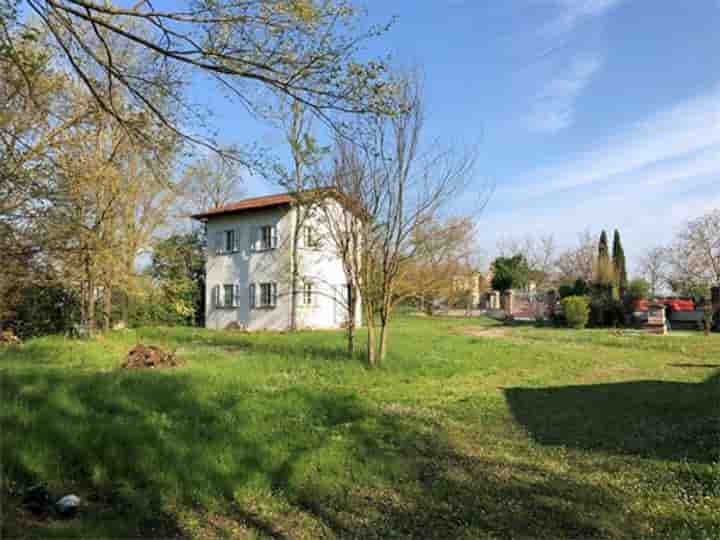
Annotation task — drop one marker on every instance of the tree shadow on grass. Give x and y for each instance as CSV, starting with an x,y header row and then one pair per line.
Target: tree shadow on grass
x,y
144,447
656,419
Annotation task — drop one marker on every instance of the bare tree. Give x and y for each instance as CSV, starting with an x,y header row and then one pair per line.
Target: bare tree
x,y
300,180
578,262
695,254
540,253
397,186
653,266
210,181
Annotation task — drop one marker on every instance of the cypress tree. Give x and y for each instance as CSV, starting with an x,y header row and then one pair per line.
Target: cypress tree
x,y
619,263
604,271
603,251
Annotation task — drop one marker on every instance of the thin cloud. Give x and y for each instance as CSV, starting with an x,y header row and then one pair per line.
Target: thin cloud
x,y
647,180
554,107
574,12
685,128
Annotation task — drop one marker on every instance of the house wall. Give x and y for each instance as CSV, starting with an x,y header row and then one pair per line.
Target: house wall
x,y
319,265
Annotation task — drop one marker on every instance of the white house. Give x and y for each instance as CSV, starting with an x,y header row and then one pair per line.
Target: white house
x,y
249,262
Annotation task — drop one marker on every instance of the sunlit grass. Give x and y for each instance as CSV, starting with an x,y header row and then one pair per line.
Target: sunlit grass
x,y
539,432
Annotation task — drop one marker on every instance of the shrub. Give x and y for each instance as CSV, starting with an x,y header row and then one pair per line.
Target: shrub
x,y
576,310
639,289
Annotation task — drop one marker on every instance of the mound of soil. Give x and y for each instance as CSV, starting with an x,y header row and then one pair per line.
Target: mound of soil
x,y
8,337
149,356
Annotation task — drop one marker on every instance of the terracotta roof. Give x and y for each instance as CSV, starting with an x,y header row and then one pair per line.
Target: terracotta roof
x,y
254,203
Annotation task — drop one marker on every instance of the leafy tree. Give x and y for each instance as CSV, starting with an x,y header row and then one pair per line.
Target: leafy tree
x,y
579,288
178,269
638,289
539,252
619,265
510,273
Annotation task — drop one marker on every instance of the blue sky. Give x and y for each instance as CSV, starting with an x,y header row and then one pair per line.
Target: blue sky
x,y
588,113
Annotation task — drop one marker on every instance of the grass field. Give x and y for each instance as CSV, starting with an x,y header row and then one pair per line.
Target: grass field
x,y
467,431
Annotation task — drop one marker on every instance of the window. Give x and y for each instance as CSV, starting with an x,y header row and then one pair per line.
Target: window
x,y
229,241
266,237
309,238
226,295
307,294
268,294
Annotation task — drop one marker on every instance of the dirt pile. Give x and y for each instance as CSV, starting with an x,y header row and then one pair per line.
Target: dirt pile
x,y
8,337
148,356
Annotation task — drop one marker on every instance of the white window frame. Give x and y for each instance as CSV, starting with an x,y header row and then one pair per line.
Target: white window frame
x,y
220,298
268,295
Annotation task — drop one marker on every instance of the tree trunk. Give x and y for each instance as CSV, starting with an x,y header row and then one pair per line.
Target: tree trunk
x,y
294,274
370,321
371,345
383,340
352,308
107,308
91,307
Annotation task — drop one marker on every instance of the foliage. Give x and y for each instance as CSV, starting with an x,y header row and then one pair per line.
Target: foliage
x,y
576,310
270,434
604,270
510,273
443,264
605,309
540,254
638,289
38,310
170,302
579,288
618,260
178,269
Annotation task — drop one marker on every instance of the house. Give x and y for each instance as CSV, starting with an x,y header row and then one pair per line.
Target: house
x,y
249,267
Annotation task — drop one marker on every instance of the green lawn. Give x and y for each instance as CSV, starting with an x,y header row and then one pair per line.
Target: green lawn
x,y
462,433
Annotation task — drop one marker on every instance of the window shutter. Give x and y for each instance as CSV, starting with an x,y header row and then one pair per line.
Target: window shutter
x,y
216,296
273,293
236,296
273,237
251,295
255,239
237,239
219,242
